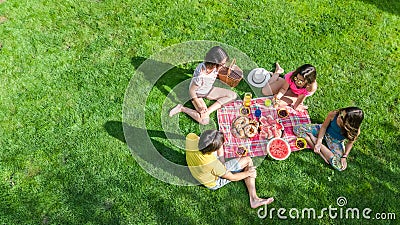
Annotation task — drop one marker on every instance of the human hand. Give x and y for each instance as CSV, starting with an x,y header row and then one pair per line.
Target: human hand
x,y
317,147
344,163
300,108
201,106
202,109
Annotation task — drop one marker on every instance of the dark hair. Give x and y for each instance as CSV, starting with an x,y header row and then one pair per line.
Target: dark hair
x,y
307,71
351,122
210,141
215,56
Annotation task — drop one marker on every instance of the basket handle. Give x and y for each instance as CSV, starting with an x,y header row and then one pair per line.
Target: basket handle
x,y
232,64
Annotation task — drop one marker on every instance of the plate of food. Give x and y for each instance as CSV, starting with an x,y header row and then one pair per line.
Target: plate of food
x,y
278,149
243,127
283,113
242,151
301,143
270,127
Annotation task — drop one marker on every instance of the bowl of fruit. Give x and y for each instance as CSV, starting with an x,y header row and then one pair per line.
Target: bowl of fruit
x,y
301,143
278,149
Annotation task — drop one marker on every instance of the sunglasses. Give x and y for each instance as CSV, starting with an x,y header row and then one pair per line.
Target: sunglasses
x,y
299,81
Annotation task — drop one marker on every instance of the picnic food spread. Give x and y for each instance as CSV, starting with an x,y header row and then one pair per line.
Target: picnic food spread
x,y
232,123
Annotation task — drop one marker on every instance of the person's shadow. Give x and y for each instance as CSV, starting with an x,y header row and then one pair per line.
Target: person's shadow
x,y
167,81
116,129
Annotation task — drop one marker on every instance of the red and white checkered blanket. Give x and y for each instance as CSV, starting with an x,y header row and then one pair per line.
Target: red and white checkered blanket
x,y
256,145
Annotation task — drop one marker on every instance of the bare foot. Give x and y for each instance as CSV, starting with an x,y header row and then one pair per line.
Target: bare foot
x,y
255,203
177,109
204,119
278,68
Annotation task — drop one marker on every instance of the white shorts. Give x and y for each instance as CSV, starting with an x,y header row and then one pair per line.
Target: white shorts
x,y
233,166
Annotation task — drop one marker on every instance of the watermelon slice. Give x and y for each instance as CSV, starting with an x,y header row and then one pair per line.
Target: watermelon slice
x,y
263,135
263,120
275,132
279,126
270,133
278,149
270,128
270,120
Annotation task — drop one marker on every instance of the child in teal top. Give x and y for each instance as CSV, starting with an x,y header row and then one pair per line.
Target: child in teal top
x,y
340,125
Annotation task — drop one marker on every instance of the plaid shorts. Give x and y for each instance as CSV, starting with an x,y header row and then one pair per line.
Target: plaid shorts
x,y
334,145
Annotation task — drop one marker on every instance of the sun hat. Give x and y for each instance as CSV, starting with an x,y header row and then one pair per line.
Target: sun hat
x,y
258,77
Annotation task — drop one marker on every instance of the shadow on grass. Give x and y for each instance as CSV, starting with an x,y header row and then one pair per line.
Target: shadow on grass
x,y
368,180
116,129
390,6
167,81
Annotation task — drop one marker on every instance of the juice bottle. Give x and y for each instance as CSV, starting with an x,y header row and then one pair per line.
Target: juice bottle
x,y
247,99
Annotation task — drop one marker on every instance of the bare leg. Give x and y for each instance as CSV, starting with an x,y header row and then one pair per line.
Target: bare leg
x,y
222,95
313,140
202,118
220,154
275,75
255,201
273,86
192,113
278,68
213,108
177,109
326,153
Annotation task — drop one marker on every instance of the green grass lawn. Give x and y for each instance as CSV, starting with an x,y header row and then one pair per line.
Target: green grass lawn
x,y
65,67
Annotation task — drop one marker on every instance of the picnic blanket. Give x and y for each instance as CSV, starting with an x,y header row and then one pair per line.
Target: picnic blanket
x,y
256,145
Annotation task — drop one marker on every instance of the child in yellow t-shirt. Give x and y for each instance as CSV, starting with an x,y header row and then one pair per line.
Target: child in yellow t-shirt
x,y
213,172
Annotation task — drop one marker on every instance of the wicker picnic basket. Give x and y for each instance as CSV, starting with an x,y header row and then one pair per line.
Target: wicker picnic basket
x,y
231,75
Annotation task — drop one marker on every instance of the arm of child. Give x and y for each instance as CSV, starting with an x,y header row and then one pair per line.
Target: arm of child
x,y
322,131
198,103
220,154
251,172
299,101
347,149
